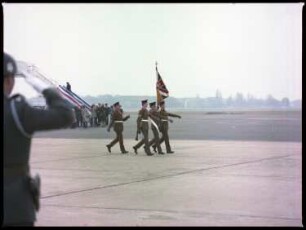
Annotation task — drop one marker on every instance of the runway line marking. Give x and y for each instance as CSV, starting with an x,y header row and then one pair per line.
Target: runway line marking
x,y
162,177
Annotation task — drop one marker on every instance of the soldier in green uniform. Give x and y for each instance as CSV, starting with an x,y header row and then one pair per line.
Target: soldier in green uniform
x,y
155,123
21,190
143,126
117,122
164,126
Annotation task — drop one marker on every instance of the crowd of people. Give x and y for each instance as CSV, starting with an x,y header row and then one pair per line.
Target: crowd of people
x,y
99,115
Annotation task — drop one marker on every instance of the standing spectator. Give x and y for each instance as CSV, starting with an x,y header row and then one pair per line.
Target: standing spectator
x,y
93,120
68,86
74,123
85,116
99,114
78,115
103,115
107,112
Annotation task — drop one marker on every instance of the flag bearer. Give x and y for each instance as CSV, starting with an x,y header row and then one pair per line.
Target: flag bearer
x,y
164,126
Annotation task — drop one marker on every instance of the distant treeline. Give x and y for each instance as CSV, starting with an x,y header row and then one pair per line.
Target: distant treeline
x,y
239,101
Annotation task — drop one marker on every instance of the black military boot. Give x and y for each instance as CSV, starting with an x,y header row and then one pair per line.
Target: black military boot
x,y
148,152
170,151
124,152
160,151
135,150
108,148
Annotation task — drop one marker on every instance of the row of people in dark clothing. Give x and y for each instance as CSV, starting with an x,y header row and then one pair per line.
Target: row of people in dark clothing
x,y
99,116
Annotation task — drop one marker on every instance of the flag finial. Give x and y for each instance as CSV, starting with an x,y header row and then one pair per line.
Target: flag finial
x,y
156,63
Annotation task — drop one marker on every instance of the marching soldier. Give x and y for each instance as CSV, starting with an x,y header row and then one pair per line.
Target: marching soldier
x,y
21,191
117,122
155,123
143,126
164,126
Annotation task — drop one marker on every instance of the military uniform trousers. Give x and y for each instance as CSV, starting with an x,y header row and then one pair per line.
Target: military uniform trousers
x,y
155,140
145,140
119,137
165,136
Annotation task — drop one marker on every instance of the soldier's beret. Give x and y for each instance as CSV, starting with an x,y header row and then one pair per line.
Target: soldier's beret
x,y
117,103
152,104
9,65
161,103
144,101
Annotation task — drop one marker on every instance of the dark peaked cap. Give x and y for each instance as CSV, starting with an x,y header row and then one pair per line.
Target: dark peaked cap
x,y
117,103
144,101
152,103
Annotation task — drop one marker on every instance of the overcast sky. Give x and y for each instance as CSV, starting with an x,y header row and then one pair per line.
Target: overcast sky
x,y
112,48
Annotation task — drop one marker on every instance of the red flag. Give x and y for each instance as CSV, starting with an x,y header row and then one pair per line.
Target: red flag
x,y
161,89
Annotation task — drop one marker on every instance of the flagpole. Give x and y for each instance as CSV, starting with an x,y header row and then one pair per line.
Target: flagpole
x,y
157,102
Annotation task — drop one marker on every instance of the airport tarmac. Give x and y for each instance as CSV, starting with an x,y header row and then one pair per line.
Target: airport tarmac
x,y
281,125
204,183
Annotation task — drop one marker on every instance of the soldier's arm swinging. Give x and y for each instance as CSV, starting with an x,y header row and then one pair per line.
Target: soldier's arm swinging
x,y
126,118
174,115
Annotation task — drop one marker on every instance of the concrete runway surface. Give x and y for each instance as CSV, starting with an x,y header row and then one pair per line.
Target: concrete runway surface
x,y
206,182
251,125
